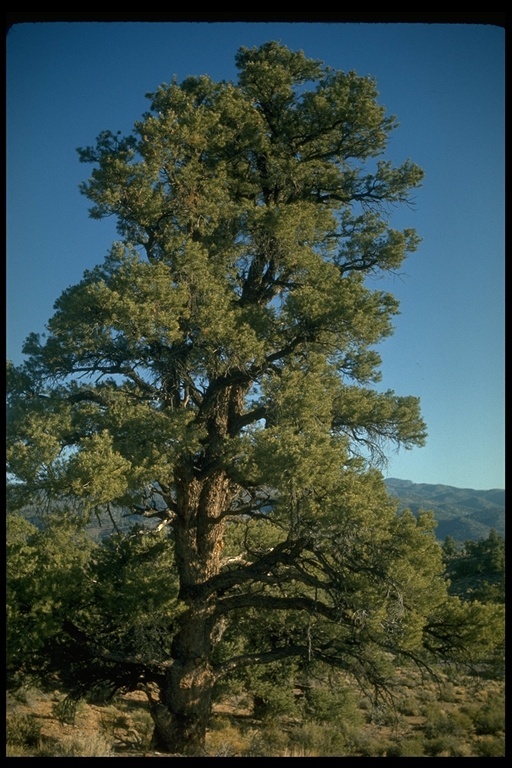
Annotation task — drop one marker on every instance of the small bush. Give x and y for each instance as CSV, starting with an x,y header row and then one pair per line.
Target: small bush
x,y
81,745
449,693
492,746
272,701
490,718
446,746
368,745
441,723
26,694
410,747
269,742
324,705
66,710
134,729
460,724
409,706
23,731
426,695
112,721
142,729
225,740
315,739
15,750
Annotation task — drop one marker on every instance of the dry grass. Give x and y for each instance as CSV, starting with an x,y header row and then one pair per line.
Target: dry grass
x,y
451,721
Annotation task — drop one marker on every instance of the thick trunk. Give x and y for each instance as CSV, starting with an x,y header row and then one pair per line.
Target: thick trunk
x,y
182,716
203,494
184,710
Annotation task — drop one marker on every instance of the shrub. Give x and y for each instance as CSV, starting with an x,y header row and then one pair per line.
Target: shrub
x,y
367,745
272,701
315,739
272,741
23,731
491,747
82,745
410,747
27,694
324,705
225,740
142,729
446,745
67,709
449,692
409,706
490,718
440,723
132,730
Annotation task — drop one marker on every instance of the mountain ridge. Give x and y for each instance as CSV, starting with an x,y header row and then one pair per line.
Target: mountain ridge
x,y
443,485
462,513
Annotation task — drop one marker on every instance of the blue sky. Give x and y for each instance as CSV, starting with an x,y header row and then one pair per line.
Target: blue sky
x,y
66,82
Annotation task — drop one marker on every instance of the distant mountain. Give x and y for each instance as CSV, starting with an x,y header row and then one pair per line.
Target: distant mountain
x,y
462,513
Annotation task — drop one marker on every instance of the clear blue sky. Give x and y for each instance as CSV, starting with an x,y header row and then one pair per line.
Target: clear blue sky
x,y
66,82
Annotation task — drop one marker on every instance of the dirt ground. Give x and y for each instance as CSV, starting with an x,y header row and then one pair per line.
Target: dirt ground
x,y
123,728
121,725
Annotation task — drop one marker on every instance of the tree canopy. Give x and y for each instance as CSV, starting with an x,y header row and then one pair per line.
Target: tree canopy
x,y
218,372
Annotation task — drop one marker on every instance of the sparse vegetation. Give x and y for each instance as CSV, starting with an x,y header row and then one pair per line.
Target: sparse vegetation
x,y
23,730
278,710
123,727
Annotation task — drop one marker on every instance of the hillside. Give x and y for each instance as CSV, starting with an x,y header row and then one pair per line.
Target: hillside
x,y
462,513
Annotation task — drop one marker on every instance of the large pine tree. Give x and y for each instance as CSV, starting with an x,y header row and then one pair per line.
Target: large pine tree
x,y
218,371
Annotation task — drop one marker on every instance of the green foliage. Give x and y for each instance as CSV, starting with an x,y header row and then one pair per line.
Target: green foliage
x,y
57,578
446,745
46,584
409,747
450,548
468,633
440,723
258,221
477,571
490,718
132,607
313,739
333,703
491,747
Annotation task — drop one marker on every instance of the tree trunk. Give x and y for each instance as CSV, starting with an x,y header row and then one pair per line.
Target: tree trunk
x,y
204,493
182,716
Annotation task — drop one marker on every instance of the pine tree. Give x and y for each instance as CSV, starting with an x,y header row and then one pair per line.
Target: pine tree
x,y
218,372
